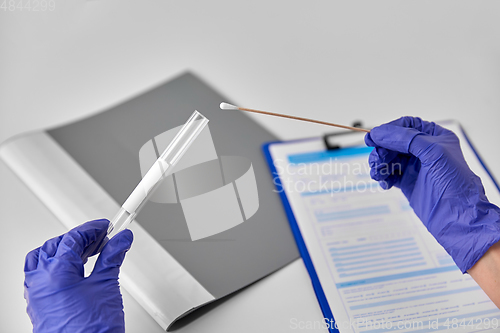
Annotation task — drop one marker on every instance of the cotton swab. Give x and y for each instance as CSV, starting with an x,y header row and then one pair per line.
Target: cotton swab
x,y
227,106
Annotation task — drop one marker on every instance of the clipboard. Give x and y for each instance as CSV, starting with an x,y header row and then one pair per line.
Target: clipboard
x,y
301,244
318,290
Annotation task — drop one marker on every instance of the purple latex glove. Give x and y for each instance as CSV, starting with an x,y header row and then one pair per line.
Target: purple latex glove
x,y
60,298
425,161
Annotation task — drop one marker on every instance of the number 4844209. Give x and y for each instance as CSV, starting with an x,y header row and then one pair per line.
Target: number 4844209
x,y
28,5
476,323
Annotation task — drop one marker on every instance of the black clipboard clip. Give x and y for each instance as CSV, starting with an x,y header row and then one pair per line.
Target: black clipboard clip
x,y
329,141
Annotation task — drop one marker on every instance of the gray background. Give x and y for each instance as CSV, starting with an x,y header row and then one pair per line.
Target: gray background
x,y
107,146
332,60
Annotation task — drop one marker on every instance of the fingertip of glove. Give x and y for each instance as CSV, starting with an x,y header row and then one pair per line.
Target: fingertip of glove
x,y
376,135
100,224
113,253
128,235
368,140
101,221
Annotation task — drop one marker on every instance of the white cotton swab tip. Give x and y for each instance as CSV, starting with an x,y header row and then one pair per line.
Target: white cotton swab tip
x,y
227,106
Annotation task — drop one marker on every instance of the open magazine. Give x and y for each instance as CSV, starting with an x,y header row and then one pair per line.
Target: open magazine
x,y
85,170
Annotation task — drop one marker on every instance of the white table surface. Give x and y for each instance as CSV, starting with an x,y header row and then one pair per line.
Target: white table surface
x,y
337,61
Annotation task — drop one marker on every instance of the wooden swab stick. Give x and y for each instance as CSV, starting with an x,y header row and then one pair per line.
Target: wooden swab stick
x,y
226,106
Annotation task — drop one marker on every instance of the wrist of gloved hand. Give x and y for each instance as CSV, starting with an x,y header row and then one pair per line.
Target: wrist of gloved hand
x,y
466,233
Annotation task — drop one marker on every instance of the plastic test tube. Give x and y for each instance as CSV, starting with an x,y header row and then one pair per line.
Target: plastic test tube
x,y
160,170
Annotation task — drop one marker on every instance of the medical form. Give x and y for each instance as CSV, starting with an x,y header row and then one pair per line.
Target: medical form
x,y
378,266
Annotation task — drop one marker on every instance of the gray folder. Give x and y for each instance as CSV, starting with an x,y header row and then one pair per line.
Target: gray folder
x,y
107,146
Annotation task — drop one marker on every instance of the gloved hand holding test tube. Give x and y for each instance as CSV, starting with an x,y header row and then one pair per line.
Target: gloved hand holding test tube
x,y
59,297
162,168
